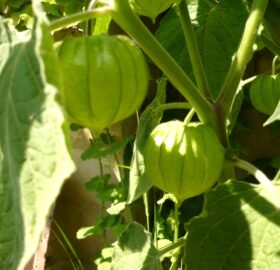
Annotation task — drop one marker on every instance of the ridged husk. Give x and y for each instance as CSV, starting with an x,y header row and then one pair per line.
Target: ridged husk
x,y
265,93
105,79
183,161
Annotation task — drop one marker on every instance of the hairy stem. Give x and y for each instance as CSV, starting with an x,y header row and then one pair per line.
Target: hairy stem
x,y
125,17
241,59
193,50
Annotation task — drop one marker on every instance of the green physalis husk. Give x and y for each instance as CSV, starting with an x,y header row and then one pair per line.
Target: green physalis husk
x,y
183,160
105,79
265,93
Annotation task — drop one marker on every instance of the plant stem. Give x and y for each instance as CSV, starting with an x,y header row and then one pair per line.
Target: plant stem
x,y
173,105
147,212
120,172
189,117
75,267
125,17
193,50
68,244
260,176
91,6
176,225
241,59
249,80
176,234
102,206
181,241
80,16
273,69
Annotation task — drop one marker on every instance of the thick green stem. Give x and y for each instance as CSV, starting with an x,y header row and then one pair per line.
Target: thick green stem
x,y
193,50
125,17
241,59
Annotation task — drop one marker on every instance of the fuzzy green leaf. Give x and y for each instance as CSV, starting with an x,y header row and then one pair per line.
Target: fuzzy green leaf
x,y
239,229
34,159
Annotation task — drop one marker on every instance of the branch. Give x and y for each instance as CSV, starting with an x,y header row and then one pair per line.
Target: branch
x,y
241,58
125,17
80,16
193,50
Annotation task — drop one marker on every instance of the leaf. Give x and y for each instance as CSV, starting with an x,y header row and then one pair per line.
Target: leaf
x,y
116,209
8,38
138,180
97,183
239,229
89,231
34,159
135,250
218,34
15,3
98,149
274,117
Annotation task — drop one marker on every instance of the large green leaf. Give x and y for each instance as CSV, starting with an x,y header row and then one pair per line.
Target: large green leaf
x,y
135,250
34,159
218,31
239,229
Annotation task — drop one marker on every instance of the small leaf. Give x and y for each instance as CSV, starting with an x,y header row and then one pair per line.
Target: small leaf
x,y
135,250
99,149
138,180
89,231
274,117
95,183
239,229
116,209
